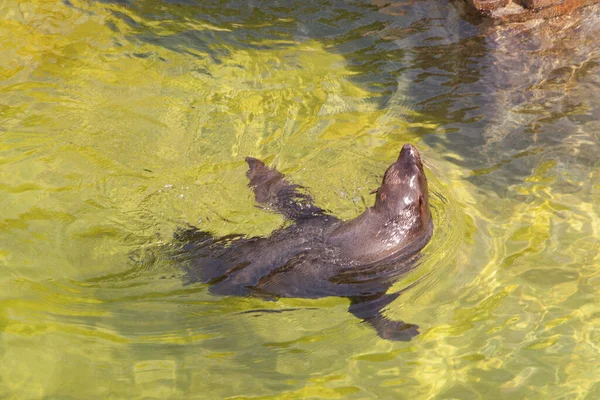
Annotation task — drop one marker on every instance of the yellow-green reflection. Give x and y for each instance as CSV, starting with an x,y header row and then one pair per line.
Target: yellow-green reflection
x,y
121,121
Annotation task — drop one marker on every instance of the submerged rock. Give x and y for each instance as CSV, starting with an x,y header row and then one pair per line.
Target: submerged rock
x,y
507,11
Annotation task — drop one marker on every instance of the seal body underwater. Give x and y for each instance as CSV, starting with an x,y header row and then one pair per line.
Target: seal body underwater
x,y
320,255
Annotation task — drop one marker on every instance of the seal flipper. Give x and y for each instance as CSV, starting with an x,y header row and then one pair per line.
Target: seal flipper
x,y
272,189
392,330
368,308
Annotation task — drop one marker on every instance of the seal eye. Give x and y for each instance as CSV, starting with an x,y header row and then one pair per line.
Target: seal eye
x,y
422,207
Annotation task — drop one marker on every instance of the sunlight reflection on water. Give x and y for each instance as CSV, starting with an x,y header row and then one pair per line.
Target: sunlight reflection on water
x,y
123,120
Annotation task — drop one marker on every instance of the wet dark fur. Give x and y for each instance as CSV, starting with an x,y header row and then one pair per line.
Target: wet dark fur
x,y
320,255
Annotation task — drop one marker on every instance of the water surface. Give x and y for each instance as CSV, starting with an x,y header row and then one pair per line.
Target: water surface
x,y
121,120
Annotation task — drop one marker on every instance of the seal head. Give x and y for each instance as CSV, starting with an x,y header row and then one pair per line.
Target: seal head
x,y
404,189
398,224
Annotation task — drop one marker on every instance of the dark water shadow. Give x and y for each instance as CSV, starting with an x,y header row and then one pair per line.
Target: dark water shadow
x,y
496,94
378,41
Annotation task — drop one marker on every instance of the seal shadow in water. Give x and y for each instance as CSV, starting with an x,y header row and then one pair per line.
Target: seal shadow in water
x,y
320,255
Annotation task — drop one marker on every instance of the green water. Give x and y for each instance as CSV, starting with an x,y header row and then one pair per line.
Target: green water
x,y
123,120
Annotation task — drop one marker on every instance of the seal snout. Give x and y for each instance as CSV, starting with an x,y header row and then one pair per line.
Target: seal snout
x,y
409,160
256,166
409,147
409,154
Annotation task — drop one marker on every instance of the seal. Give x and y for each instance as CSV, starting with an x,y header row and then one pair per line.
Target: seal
x,y
319,255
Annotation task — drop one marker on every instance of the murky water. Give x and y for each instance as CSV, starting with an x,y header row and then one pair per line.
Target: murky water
x,y
122,120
